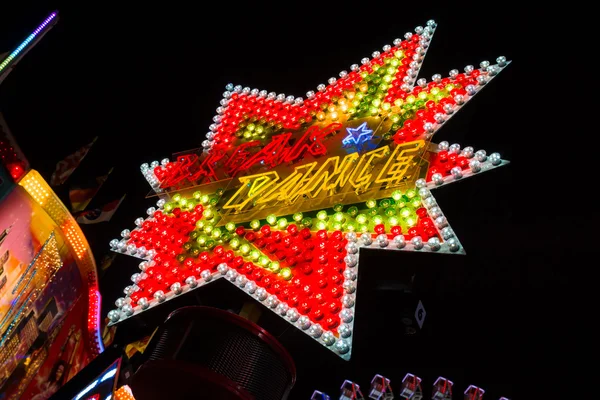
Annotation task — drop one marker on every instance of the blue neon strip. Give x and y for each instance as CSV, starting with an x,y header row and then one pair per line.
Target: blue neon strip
x,y
26,42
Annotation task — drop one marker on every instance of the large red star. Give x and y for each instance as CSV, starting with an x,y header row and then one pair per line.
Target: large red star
x,y
303,270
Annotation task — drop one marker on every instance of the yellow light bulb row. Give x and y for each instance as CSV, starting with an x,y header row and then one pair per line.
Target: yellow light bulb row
x,y
35,189
74,239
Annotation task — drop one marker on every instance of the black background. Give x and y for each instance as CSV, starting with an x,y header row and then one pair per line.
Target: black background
x,y
147,80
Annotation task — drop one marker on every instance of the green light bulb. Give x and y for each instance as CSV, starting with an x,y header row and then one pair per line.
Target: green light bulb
x,y
208,214
271,219
282,223
176,198
434,90
275,266
336,226
197,195
321,225
396,195
411,222
201,240
393,221
399,54
263,260
322,215
422,95
230,226
353,211
416,202
255,224
405,212
286,274
168,207
410,193
385,203
361,218
339,217
307,222
395,118
338,207
245,249
297,217
371,203
208,229
410,99
363,228
390,211
204,199
234,243
200,224
216,233
254,255
378,219
373,110
350,227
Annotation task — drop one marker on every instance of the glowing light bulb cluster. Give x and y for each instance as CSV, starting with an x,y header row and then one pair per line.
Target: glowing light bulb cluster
x,y
13,55
36,189
265,152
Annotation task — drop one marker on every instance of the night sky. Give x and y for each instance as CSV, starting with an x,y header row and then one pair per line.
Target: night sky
x,y
147,81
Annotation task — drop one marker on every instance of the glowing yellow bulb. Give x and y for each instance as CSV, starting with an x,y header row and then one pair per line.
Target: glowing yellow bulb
x,y
320,115
344,108
350,95
334,115
398,102
331,108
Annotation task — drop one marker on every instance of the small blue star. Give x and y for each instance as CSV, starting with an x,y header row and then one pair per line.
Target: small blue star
x,y
358,135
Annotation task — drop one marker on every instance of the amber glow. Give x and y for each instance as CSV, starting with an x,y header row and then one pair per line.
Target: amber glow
x,y
124,393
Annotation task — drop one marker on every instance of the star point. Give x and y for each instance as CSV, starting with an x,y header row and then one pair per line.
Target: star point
x,y
358,135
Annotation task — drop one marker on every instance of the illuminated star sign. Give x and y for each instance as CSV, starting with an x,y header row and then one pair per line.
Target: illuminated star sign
x,y
271,206
358,135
